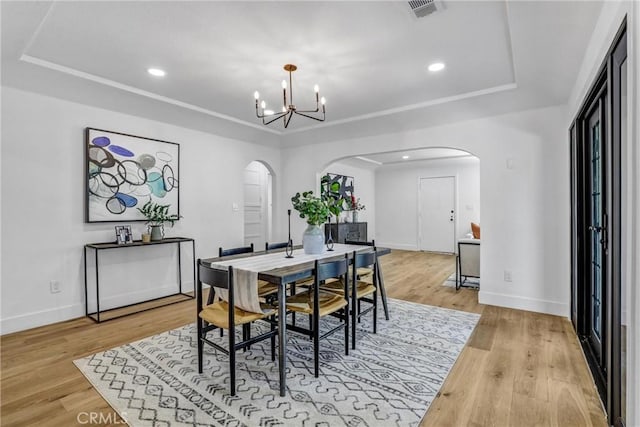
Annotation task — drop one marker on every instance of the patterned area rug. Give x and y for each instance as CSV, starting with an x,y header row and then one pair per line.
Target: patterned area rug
x,y
471,282
389,380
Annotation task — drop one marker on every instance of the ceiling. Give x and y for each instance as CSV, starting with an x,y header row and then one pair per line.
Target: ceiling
x,y
374,161
369,59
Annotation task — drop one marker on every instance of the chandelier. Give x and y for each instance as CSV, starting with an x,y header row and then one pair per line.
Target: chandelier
x,y
288,108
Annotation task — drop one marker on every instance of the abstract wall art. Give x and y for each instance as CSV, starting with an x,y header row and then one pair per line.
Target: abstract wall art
x,y
340,185
123,172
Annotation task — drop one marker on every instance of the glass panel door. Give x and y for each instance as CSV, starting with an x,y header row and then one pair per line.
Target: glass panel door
x,y
596,281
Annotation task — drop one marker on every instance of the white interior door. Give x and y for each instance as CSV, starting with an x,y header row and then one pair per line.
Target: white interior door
x,y
256,205
437,214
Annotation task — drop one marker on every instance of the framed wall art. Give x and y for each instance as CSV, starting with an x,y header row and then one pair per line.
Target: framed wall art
x,y
123,172
341,184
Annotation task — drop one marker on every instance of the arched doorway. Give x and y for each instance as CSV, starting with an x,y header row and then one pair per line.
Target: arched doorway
x,y
258,204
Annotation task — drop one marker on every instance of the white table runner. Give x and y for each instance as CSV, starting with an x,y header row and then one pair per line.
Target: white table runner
x,y
246,271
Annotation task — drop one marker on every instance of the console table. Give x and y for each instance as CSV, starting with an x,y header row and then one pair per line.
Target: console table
x,y
170,299
356,231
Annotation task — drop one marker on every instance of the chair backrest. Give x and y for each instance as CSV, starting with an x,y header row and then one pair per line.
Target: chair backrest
x,y
364,259
330,269
270,246
235,251
215,278
360,242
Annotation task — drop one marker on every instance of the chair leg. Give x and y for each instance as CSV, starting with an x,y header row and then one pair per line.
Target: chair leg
x,y
383,291
245,335
273,340
375,312
293,315
354,318
316,346
200,345
358,311
221,332
346,330
232,362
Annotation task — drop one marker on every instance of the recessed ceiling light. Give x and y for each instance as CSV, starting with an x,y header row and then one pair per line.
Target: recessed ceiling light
x,y
436,66
156,72
405,157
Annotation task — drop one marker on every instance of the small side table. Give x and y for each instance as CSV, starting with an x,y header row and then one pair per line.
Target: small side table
x,y
97,247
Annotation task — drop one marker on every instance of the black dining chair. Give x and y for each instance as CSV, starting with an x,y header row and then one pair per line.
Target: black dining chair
x,y
266,290
235,251
319,303
225,315
272,246
364,272
360,290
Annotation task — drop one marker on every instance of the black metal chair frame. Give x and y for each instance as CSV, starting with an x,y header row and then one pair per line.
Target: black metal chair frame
x,y
367,259
380,283
235,251
271,246
323,271
225,280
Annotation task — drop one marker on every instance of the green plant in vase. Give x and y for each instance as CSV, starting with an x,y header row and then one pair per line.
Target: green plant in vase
x,y
157,215
315,211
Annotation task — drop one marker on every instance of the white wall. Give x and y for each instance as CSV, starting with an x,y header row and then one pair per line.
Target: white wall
x,y
525,210
397,198
364,189
43,229
609,22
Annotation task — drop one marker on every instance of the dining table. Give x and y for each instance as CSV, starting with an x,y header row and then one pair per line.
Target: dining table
x,y
276,268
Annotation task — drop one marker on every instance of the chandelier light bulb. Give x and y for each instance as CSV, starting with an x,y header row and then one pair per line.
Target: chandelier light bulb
x,y
263,104
323,101
284,109
256,95
316,88
284,84
268,112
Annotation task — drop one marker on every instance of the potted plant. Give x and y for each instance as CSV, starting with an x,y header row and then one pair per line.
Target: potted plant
x,y
156,216
315,211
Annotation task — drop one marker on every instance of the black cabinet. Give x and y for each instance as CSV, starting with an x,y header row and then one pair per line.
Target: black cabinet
x,y
347,231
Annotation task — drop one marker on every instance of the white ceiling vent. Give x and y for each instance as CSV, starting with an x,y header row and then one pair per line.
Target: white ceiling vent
x,y
422,8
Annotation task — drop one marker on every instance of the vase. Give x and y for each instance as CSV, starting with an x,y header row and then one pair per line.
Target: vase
x,y
157,232
354,216
313,240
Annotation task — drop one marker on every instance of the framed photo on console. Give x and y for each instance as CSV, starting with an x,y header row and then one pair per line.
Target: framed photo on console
x,y
123,234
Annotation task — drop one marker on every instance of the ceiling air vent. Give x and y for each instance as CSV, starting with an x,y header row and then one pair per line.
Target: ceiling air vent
x,y
422,8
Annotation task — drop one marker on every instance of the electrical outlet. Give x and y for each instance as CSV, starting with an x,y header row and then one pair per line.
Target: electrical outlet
x,y
507,276
54,287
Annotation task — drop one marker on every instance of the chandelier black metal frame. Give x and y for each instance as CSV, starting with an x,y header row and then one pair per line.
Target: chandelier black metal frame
x,y
288,109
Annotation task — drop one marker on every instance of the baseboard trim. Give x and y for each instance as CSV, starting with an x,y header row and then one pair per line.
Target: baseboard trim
x,y
400,246
48,316
40,318
524,303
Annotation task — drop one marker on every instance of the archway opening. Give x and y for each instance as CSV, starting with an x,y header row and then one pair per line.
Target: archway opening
x,y
419,200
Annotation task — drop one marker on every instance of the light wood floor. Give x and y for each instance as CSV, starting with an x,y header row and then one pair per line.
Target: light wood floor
x,y
518,368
